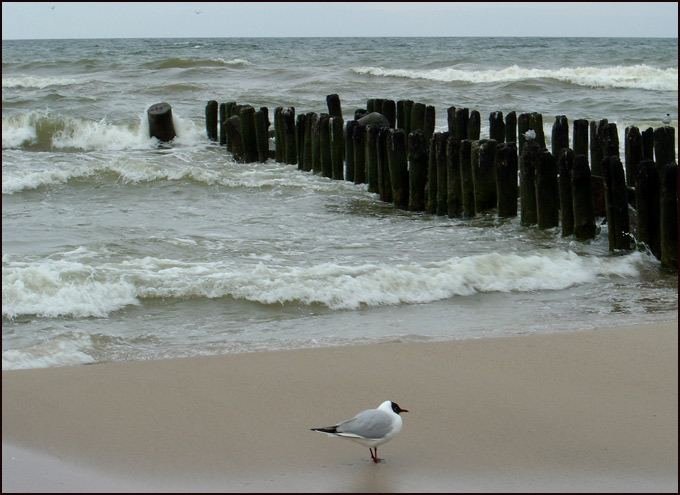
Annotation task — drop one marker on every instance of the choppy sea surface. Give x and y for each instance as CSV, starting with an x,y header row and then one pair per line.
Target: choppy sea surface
x,y
116,249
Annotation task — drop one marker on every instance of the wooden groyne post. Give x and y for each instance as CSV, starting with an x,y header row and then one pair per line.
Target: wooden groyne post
x,y
529,157
616,203
506,179
211,119
453,177
161,125
417,170
483,163
582,199
337,147
648,206
547,191
565,163
669,217
398,165
632,152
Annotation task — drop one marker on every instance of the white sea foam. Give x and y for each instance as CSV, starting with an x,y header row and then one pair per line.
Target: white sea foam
x,y
636,76
66,349
41,82
75,287
59,132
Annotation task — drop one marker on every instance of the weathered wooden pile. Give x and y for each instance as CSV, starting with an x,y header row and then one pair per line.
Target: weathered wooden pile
x,y
394,149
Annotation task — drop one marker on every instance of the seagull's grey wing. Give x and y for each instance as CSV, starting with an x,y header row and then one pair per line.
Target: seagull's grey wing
x,y
367,424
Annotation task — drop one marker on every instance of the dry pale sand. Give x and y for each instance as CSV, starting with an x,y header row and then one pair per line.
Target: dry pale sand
x,y
588,411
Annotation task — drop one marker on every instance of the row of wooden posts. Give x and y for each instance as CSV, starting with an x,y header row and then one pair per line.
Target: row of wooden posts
x,y
394,149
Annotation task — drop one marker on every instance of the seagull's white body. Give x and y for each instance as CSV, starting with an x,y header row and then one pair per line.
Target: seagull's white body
x,y
370,428
530,134
667,119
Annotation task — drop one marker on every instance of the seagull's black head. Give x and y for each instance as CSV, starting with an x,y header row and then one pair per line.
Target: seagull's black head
x,y
397,409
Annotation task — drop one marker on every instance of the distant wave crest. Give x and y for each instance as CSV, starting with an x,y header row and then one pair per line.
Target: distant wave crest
x,y
183,63
41,82
634,77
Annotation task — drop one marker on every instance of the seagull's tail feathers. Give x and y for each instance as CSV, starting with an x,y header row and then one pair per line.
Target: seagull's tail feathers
x,y
329,430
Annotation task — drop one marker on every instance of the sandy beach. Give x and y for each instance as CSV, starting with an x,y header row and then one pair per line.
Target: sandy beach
x,y
588,411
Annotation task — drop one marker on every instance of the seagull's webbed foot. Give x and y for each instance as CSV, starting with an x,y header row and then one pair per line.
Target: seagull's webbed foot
x,y
374,455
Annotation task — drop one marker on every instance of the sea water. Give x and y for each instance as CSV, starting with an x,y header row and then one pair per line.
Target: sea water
x,y
115,248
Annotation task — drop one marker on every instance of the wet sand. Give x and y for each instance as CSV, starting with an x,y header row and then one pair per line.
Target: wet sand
x,y
588,411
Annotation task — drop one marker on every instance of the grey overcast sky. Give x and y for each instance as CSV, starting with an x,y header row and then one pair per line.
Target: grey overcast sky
x,y
63,20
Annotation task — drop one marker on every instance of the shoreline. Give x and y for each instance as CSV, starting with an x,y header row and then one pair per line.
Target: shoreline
x,y
593,410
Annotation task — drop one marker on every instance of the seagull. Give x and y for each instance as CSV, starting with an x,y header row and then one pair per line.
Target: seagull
x,y
530,135
370,428
667,119
197,11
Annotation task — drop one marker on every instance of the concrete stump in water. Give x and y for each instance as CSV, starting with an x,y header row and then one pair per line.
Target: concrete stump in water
x,y
161,125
